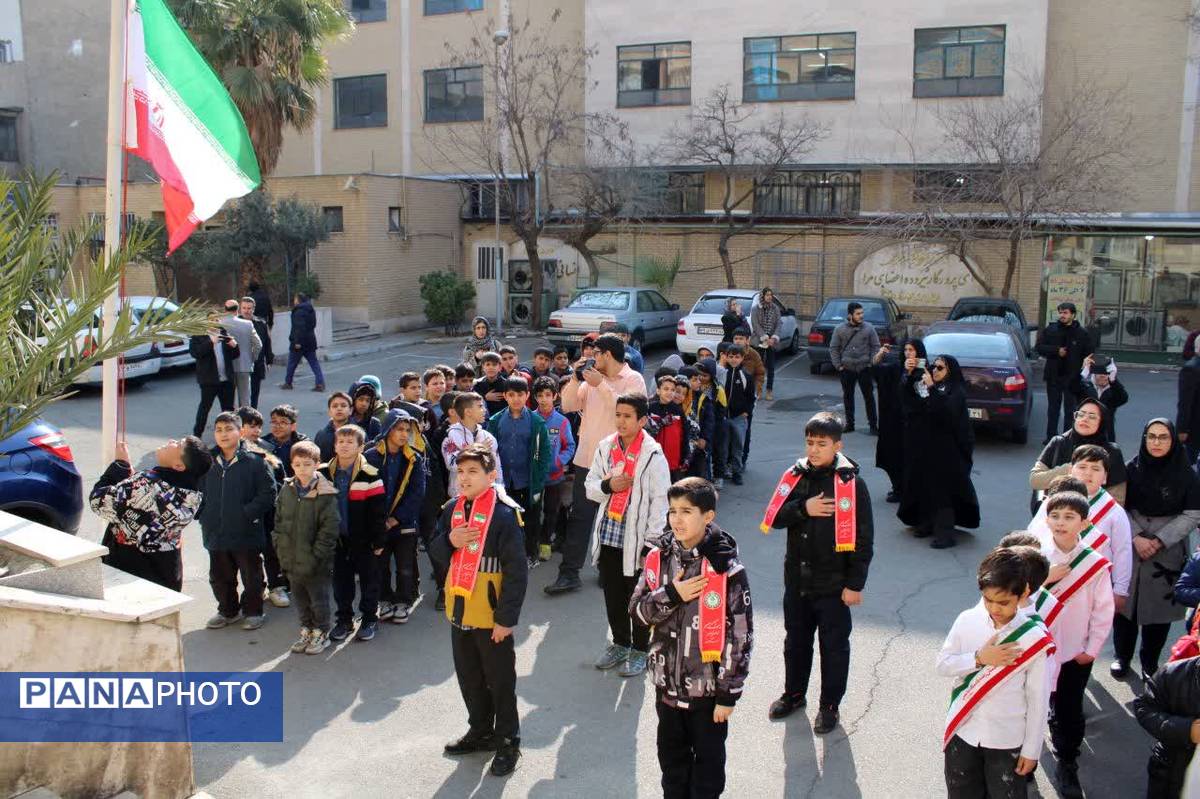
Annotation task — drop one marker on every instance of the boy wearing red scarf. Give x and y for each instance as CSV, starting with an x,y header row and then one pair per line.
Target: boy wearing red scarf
x,y
480,549
825,507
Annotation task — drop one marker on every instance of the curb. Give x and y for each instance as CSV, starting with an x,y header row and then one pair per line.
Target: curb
x,y
369,348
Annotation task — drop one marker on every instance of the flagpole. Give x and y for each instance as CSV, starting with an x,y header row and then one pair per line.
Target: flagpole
x,y
113,212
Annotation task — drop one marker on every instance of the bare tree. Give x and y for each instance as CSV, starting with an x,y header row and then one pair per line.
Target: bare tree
x,y
729,140
1028,161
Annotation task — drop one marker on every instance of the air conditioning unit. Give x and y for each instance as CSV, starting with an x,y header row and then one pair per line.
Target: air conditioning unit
x,y
1141,328
520,277
1108,325
520,310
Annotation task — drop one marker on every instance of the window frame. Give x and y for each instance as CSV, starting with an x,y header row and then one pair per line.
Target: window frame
x,y
338,123
689,190
10,121
368,15
330,212
395,218
657,101
812,185
799,89
456,10
425,75
980,186
979,82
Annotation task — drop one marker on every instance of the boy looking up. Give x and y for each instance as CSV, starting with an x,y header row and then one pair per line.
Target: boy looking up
x,y
562,449
339,406
524,447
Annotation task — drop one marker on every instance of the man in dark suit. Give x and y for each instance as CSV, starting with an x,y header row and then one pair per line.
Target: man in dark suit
x,y
246,309
1064,344
215,353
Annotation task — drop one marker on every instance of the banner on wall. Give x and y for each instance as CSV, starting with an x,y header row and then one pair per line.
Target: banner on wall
x,y
916,274
1066,287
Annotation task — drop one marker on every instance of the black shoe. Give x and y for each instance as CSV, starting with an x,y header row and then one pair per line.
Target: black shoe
x,y
507,755
341,631
874,430
472,742
785,705
366,630
563,585
1068,780
827,719
440,603
892,496
1119,669
738,480
922,532
319,387
943,543
848,428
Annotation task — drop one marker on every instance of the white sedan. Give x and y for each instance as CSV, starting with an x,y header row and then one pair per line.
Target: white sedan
x,y
174,351
702,325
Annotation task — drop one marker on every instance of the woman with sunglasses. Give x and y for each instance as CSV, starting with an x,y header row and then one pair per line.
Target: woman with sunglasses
x,y
938,493
1055,460
1163,504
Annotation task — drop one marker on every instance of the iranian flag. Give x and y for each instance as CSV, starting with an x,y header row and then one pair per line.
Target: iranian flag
x,y
180,118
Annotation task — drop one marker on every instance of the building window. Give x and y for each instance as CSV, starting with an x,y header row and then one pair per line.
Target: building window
x,y
654,74
333,218
360,102
8,139
814,67
367,10
808,194
959,62
480,199
394,225
954,186
682,193
7,53
451,6
454,95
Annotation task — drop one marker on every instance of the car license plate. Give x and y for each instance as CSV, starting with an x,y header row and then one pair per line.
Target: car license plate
x,y
976,413
710,330
575,338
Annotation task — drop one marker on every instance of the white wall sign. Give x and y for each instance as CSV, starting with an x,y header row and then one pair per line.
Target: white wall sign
x,y
916,275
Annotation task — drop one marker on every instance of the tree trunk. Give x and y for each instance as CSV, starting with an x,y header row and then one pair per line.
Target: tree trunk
x,y
723,251
1014,260
535,273
593,268
979,276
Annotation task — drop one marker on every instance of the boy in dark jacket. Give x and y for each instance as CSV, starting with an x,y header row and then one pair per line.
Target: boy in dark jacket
x,y
491,386
1169,709
402,467
562,450
674,431
364,397
238,495
361,534
700,410
479,547
739,392
340,406
826,509
306,538
524,447
694,581
147,511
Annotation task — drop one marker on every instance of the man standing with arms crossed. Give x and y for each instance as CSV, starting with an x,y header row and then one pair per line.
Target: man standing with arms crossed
x,y
1064,344
853,345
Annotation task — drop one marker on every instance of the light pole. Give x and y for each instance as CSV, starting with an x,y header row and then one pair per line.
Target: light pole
x,y
499,38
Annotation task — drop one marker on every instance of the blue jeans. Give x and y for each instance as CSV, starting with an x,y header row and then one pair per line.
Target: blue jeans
x,y
736,437
294,361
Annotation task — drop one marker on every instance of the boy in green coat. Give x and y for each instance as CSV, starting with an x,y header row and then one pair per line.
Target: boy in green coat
x,y
524,446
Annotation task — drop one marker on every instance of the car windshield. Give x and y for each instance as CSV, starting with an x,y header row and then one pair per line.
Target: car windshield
x,y
1009,318
835,311
716,304
601,301
973,346
155,313
981,308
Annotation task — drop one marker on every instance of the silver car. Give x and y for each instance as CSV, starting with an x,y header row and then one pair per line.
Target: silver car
x,y
702,327
646,312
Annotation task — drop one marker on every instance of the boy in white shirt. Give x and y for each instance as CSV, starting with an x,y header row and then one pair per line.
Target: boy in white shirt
x,y
1110,534
1079,581
472,413
994,729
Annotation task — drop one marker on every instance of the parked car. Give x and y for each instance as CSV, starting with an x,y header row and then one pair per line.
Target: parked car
x,y
38,478
882,312
702,325
997,370
174,351
141,362
650,318
996,310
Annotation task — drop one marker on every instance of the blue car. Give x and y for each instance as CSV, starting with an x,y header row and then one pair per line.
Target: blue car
x,y
38,478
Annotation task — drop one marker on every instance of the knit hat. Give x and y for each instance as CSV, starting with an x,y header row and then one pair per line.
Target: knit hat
x,y
374,381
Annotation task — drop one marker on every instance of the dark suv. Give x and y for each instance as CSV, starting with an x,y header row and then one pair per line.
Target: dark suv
x,y
995,310
881,312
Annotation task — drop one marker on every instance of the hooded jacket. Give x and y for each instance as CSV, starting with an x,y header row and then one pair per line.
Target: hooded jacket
x,y
303,335
813,565
668,420
679,673
306,528
562,445
237,498
647,510
146,510
1166,710
405,498
367,500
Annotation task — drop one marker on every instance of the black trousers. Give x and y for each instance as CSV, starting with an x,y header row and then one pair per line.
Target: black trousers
x,y
618,590
1154,639
350,562
164,568
768,359
487,678
1067,724
224,568
691,750
553,499
579,528
1058,396
255,388
828,618
746,440
531,516
427,528
398,576
223,393
275,575
862,379
975,772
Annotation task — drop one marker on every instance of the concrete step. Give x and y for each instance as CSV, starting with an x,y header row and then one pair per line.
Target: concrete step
x,y
352,332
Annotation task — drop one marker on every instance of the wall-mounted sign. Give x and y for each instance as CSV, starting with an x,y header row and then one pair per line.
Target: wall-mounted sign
x,y
1066,287
916,275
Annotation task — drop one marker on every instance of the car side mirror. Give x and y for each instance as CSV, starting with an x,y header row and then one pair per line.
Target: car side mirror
x,y
674,306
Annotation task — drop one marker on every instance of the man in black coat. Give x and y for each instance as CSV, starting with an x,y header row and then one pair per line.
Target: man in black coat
x,y
262,303
302,343
1064,344
1187,411
215,354
1169,709
247,309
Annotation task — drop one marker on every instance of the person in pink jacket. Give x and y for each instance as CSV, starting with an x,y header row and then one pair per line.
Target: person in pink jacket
x,y
592,390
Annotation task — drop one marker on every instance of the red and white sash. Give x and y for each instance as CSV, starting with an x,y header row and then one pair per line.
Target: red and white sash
x,y
1045,606
623,463
1085,567
791,477
712,603
1100,505
845,498
464,563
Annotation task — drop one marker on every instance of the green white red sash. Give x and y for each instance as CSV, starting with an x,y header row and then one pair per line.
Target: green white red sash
x,y
1093,537
791,476
1045,606
1032,638
464,563
712,603
1100,505
1085,567
623,463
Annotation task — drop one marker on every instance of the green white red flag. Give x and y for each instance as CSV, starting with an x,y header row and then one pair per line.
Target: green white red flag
x,y
180,119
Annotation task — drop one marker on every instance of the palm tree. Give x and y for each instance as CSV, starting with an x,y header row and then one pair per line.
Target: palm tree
x,y
270,56
52,288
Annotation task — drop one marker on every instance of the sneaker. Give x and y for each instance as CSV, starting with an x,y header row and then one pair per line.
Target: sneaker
x,y
827,719
302,642
533,562
286,386
218,621
319,387
366,630
386,611
634,665
402,614
1119,669
849,428
507,755
544,552
317,644
769,395
341,631
785,705
472,742
738,480
1068,780
612,656
440,603
254,622
279,597
563,585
